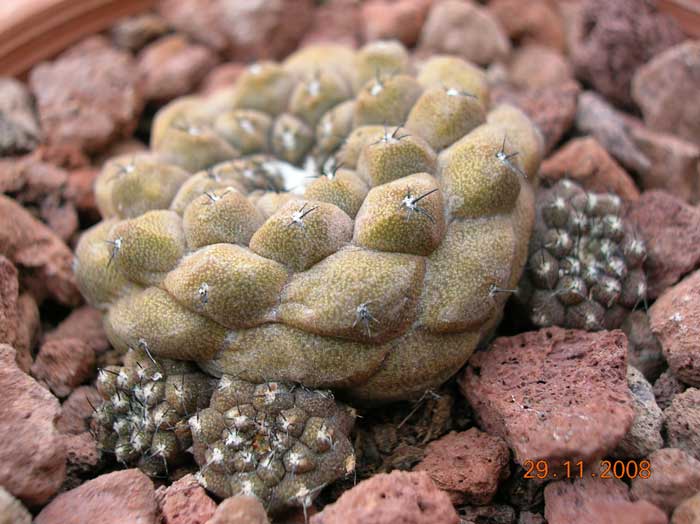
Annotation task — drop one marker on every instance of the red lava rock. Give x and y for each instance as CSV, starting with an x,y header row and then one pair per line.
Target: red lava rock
x,y
610,40
643,348
644,436
19,129
675,477
64,364
464,29
240,510
9,294
675,320
89,96
683,422
599,501
83,459
534,21
553,394
666,387
134,32
28,328
172,66
114,498
32,455
222,76
44,261
398,496
467,465
77,410
552,108
671,231
588,163
337,21
84,323
394,19
526,517
495,514
12,511
536,66
31,179
185,502
200,19
688,512
665,89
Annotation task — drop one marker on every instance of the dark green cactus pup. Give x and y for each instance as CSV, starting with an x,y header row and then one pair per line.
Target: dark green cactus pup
x,y
585,267
342,220
279,443
144,418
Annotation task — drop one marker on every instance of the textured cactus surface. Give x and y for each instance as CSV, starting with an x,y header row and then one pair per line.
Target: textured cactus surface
x,y
345,220
585,268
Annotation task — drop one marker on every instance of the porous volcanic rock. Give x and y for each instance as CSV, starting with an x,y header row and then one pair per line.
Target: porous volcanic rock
x,y
666,387
28,328
134,32
666,88
534,21
240,510
400,496
682,419
599,501
85,324
675,320
19,129
688,512
77,410
89,96
468,465
671,230
585,161
553,394
64,364
394,19
32,455
114,498
643,348
493,514
9,294
185,502
337,21
536,66
675,476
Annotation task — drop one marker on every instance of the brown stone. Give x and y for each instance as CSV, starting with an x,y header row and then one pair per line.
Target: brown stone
x,y
12,511
89,96
675,476
610,40
534,21
199,19
28,329
536,66
114,498
19,129
394,19
134,32
688,512
32,455
33,247
240,510
185,502
222,76
9,294
683,422
336,21
465,29
468,465
553,394
64,364
671,230
552,109
665,89
77,409
83,459
585,161
643,348
394,497
666,387
675,320
85,324
173,66
599,501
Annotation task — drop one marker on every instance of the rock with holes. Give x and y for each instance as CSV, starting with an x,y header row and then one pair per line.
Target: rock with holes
x,y
277,442
682,420
554,394
344,219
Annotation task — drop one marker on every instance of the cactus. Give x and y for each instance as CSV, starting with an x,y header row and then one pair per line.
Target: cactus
x,y
277,442
144,418
585,266
342,220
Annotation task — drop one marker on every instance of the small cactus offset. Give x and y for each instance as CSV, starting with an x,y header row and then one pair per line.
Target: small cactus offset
x,y
144,418
585,267
277,442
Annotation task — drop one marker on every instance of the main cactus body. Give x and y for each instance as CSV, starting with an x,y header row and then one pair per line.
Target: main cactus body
x,y
343,220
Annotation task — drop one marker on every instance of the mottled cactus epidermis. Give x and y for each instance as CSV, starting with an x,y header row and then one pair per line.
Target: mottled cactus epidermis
x,y
378,277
